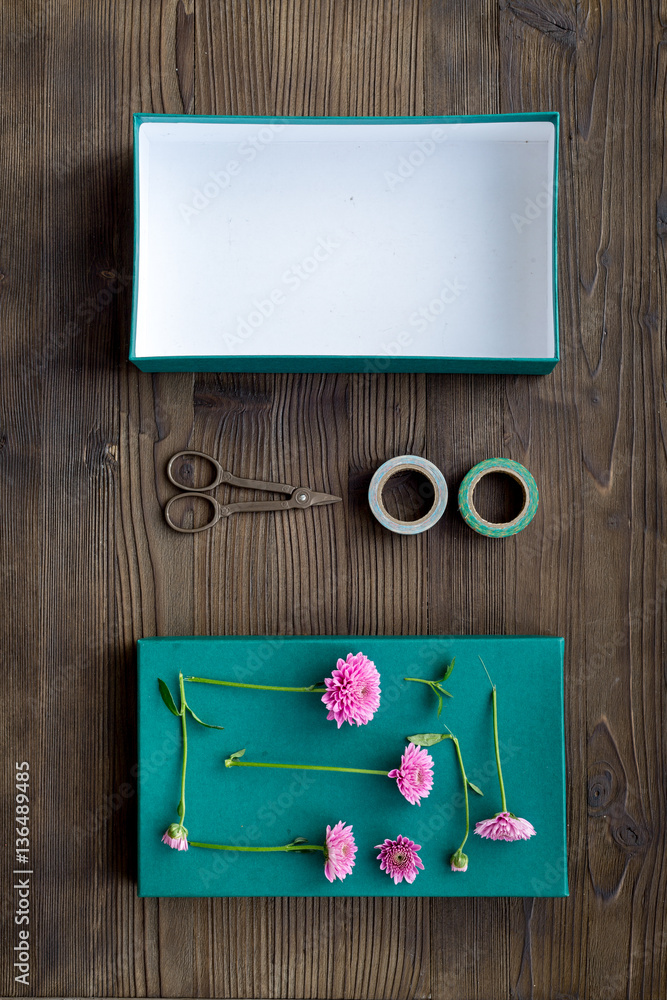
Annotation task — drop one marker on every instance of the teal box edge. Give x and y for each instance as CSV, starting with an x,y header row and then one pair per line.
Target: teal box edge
x,y
338,364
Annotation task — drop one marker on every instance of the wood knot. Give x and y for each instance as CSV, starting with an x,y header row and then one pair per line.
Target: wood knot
x,y
602,787
100,454
545,17
612,824
661,216
629,835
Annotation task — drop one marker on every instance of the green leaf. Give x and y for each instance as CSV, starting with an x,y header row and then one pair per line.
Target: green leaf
x,y
436,687
233,756
167,698
296,842
428,739
180,809
197,719
440,701
448,671
474,787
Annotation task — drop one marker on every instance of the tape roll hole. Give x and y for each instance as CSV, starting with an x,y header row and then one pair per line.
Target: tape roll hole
x,y
499,498
408,495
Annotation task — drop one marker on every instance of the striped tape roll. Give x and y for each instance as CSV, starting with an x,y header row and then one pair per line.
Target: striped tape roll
x,y
517,471
405,463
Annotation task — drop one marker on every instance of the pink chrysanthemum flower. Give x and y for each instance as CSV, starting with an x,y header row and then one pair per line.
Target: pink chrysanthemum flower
x,y
176,837
505,826
353,691
415,775
399,859
339,852
459,861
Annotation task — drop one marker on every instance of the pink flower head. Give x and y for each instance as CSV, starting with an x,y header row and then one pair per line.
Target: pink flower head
x,y
176,837
459,861
415,775
399,859
353,691
339,851
505,826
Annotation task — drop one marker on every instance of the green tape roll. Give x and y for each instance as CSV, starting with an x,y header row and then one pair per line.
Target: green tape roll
x,y
517,471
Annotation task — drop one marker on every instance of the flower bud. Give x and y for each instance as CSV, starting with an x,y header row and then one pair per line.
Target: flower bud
x,y
459,861
176,837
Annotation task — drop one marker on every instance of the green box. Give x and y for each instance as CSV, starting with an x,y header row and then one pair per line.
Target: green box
x,y
403,244
266,807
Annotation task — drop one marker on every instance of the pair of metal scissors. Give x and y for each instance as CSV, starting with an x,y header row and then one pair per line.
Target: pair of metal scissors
x,y
299,496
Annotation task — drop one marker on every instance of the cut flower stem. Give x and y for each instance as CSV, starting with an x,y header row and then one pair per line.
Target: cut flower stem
x,y
351,694
495,740
504,825
339,850
458,860
176,835
465,792
284,847
436,686
303,767
181,805
494,702
313,689
414,777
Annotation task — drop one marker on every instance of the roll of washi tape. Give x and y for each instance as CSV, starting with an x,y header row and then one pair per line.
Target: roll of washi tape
x,y
408,463
517,471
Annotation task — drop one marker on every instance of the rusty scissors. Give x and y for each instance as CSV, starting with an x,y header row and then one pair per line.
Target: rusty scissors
x,y
297,496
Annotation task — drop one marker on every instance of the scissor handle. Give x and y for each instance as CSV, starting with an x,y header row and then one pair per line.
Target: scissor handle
x,y
220,476
223,477
217,509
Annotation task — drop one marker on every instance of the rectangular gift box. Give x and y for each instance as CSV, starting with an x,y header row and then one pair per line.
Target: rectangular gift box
x,y
413,244
267,806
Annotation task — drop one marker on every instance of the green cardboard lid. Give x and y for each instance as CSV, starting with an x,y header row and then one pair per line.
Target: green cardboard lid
x,y
269,807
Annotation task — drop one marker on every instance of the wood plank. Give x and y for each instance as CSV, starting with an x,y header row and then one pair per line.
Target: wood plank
x,y
538,59
621,362
468,575
90,566
24,352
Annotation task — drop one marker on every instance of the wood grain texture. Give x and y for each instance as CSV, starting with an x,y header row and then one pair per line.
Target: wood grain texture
x,y
88,565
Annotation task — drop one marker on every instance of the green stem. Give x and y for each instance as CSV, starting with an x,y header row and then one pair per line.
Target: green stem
x,y
304,767
495,740
231,847
181,804
255,687
465,790
418,680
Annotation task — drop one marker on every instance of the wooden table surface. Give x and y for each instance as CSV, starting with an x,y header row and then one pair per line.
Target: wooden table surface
x,y
89,566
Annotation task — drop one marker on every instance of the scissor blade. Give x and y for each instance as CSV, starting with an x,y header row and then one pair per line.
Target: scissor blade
x,y
318,499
